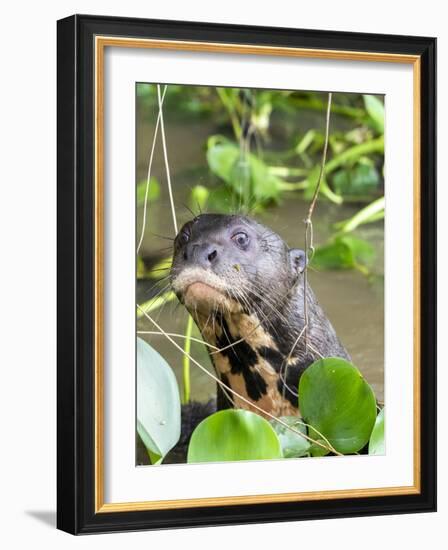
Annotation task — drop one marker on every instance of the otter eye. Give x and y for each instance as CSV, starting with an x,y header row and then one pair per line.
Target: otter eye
x,y
241,239
184,236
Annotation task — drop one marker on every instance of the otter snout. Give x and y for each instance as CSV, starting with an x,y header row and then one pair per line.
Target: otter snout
x,y
203,290
201,296
203,255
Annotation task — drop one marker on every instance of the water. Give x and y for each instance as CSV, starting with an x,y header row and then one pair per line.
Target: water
x,y
353,303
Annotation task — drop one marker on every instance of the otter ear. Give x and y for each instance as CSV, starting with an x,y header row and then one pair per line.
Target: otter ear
x,y
297,259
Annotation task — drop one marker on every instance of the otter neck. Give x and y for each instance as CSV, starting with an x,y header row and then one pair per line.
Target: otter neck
x,y
250,362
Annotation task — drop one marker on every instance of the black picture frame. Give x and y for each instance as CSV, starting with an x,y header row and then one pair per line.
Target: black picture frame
x,y
76,272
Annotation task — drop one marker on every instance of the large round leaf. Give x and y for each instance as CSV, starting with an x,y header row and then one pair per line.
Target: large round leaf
x,y
376,443
233,435
158,402
335,399
293,444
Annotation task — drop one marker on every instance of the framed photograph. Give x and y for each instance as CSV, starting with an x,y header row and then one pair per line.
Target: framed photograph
x,y
246,274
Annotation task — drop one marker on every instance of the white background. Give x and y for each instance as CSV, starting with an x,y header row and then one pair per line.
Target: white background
x,y
27,292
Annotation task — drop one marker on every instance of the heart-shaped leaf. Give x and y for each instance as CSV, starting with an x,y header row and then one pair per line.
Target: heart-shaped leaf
x,y
233,435
158,402
293,445
335,399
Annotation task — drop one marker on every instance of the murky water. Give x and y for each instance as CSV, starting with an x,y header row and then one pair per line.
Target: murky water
x,y
354,304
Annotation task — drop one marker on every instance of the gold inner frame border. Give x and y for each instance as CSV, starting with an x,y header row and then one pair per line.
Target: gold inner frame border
x,y
101,42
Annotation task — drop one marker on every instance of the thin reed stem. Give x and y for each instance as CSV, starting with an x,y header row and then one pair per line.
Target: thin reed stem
x,y
148,176
165,157
175,335
308,224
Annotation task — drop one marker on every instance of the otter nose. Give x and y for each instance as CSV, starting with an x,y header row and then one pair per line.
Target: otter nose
x,y
211,255
205,254
208,255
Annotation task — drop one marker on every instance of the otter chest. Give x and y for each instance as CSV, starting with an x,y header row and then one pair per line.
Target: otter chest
x,y
250,363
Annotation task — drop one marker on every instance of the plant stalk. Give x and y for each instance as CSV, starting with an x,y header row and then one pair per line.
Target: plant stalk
x,y
186,361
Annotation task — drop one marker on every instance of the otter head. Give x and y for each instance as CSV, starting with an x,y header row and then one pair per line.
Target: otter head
x,y
232,263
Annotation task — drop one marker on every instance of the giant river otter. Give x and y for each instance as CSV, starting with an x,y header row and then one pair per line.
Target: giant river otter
x,y
244,288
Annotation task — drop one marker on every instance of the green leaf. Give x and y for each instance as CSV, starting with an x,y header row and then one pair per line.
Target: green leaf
x,y
158,403
318,450
222,157
141,268
362,251
305,142
372,212
233,435
337,402
154,303
247,175
325,190
199,197
222,199
343,252
153,191
353,154
293,445
334,255
362,179
376,443
157,271
154,458
240,176
265,186
375,110
160,269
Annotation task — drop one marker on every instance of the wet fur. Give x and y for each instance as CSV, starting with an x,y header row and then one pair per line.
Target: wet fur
x,y
257,311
